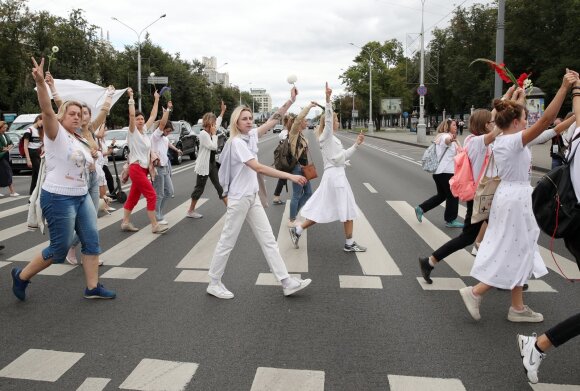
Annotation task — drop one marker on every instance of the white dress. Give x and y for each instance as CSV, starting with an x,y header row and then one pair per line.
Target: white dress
x,y
508,254
333,200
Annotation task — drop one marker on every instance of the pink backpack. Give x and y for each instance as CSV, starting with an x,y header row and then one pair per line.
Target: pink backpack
x,y
462,183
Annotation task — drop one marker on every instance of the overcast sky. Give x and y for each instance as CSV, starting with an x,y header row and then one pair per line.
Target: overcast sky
x,y
264,41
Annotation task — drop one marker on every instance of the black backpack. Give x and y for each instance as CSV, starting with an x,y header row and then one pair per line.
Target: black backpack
x,y
554,202
283,158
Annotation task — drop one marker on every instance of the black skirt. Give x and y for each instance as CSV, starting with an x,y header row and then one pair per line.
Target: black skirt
x,y
5,172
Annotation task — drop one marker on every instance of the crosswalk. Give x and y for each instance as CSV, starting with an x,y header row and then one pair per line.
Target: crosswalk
x,y
157,374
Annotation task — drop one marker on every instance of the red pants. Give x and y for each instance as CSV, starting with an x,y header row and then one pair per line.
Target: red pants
x,y
140,185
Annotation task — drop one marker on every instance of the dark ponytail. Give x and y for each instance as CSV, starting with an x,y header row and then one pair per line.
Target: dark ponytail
x,y
506,112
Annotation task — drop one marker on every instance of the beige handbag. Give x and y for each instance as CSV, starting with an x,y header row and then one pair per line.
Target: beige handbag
x,y
484,194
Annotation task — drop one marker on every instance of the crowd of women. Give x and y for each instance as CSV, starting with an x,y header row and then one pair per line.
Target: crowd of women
x,y
506,246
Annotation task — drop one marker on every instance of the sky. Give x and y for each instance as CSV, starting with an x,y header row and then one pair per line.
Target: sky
x,y
265,41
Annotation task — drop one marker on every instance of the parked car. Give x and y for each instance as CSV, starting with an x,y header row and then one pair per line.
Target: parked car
x,y
185,139
17,161
222,134
278,128
21,123
120,136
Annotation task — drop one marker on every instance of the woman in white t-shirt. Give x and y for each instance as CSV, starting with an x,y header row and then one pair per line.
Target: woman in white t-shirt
x,y
446,142
33,149
139,164
239,179
64,197
508,254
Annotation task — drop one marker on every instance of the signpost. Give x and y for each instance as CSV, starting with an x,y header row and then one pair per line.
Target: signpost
x,y
157,80
355,114
422,90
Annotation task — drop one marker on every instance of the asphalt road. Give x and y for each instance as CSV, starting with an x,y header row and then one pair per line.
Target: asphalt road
x,y
365,323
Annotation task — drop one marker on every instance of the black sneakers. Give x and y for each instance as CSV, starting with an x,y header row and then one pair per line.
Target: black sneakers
x,y
426,269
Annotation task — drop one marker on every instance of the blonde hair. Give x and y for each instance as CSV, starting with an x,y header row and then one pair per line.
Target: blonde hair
x,y
64,108
208,120
289,121
445,126
322,123
236,114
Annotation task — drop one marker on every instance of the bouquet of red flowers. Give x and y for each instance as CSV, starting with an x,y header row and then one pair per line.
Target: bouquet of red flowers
x,y
506,75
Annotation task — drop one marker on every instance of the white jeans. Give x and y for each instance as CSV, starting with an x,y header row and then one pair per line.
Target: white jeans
x,y
250,208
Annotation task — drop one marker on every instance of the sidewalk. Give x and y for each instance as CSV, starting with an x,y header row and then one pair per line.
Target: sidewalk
x,y
541,160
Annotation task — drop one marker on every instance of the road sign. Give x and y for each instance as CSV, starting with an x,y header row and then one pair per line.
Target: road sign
x,y
355,114
422,90
405,114
422,100
157,80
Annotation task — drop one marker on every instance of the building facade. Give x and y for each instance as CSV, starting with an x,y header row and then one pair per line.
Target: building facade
x,y
211,74
262,99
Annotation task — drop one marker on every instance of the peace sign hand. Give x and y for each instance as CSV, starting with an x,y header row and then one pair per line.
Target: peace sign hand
x,y
38,71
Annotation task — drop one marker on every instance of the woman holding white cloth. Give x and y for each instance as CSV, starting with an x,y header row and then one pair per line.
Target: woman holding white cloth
x,y
238,176
333,200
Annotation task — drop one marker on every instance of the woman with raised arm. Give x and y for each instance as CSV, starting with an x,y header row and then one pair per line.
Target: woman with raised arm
x,y
139,161
239,178
64,198
288,121
509,254
205,165
532,348
333,200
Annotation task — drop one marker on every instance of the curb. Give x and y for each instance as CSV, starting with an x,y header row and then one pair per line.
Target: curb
x,y
536,168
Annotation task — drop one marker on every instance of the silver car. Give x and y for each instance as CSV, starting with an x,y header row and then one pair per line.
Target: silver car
x,y
120,137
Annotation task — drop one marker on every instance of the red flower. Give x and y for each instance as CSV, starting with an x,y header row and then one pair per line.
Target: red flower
x,y
522,79
500,70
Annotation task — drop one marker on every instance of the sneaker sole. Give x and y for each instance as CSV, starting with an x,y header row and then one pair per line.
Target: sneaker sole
x,y
525,320
99,297
221,297
354,251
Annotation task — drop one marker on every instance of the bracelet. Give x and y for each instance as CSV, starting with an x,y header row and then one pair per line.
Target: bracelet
x,y
575,95
131,101
576,88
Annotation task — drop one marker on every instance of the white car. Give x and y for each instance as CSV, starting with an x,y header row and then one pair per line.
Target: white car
x,y
120,136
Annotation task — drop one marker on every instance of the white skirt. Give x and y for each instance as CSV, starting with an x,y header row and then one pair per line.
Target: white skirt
x,y
508,254
333,200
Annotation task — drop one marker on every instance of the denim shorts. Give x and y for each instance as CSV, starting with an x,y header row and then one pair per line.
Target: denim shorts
x,y
65,215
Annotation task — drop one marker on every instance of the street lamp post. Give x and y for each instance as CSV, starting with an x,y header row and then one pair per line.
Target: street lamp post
x,y
370,53
139,51
421,128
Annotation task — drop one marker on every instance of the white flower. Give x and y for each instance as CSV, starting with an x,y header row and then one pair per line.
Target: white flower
x,y
292,79
55,49
152,74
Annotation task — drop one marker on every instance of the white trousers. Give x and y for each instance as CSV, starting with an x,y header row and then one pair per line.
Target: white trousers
x,y
247,208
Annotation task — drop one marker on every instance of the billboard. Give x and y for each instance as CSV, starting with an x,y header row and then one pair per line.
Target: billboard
x,y
391,106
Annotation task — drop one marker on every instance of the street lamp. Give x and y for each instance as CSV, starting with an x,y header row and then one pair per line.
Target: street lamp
x,y
370,53
139,51
421,128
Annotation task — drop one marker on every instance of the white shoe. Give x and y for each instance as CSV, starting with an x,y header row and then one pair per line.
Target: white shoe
x,y
220,291
471,303
2,195
110,209
297,285
292,223
531,357
14,194
527,315
163,222
194,215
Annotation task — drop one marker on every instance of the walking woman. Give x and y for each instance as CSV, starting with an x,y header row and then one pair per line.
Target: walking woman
x,y
533,348
238,176
64,199
5,171
299,149
33,149
288,121
139,163
205,165
446,147
509,254
333,200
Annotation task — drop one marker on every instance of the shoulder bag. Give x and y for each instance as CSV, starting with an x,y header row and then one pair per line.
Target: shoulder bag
x,y
484,194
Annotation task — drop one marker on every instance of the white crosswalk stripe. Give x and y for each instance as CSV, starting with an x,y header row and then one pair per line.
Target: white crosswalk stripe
x,y
12,211
296,259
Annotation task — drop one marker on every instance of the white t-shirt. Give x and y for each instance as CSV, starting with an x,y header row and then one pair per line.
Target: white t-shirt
x,y
139,148
447,164
476,150
575,165
512,159
33,135
160,145
283,134
244,180
66,159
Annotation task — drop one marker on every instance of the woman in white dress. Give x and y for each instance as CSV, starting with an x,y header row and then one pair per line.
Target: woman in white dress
x,y
333,200
509,255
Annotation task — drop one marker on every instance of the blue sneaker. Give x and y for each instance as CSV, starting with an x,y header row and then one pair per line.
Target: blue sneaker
x,y
419,213
454,224
100,292
18,286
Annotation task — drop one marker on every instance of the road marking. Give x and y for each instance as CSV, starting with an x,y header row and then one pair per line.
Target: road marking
x,y
2,263
270,279
277,379
404,383
94,384
539,286
153,374
57,269
376,261
200,256
33,365
13,211
360,282
570,268
103,222
442,284
296,259
395,154
124,273
193,276
135,242
10,199
554,387
13,231
370,188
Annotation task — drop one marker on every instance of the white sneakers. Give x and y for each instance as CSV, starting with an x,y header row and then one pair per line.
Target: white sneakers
x,y
296,285
471,302
14,194
163,222
194,215
220,291
527,315
531,357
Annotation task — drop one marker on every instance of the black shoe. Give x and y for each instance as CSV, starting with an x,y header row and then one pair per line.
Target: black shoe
x,y
426,269
524,288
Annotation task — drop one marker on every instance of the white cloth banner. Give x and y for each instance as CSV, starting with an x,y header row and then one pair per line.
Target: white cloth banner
x,y
84,92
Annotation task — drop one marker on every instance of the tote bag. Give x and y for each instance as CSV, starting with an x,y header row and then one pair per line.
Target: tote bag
x,y
484,194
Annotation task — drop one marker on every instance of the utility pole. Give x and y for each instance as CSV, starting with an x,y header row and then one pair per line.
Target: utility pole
x,y
421,128
499,42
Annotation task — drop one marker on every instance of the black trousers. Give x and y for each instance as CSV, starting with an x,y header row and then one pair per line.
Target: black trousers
x,y
467,236
281,183
109,179
202,180
443,194
35,159
564,331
